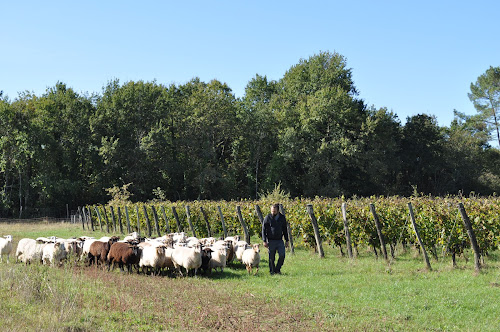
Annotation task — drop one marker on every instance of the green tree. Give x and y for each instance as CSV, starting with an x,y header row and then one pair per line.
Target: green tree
x,y
258,141
319,120
485,94
422,149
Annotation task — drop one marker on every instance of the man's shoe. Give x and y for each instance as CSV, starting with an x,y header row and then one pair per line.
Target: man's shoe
x,y
278,272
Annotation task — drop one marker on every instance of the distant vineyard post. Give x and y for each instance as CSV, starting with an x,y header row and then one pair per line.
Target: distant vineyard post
x,y
98,216
89,213
148,222
188,217
128,219
412,217
174,211
317,236
259,214
106,218
379,231
167,226
472,237
138,219
346,230
81,218
157,224
243,224
209,231
113,219
222,221
120,220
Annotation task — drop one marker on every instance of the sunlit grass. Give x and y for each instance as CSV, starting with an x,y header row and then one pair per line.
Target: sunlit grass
x,y
312,294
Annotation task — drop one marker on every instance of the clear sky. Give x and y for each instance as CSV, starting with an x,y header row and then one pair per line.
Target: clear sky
x,y
409,56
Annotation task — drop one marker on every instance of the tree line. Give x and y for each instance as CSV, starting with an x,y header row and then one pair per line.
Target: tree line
x,y
309,131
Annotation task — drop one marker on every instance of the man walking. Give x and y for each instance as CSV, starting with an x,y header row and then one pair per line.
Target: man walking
x,y
274,229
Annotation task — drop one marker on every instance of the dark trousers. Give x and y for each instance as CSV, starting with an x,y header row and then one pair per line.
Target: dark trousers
x,y
279,246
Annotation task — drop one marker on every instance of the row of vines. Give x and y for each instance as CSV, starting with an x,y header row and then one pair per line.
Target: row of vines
x,y
438,219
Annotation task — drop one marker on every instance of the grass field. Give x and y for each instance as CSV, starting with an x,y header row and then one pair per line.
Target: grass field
x,y
327,294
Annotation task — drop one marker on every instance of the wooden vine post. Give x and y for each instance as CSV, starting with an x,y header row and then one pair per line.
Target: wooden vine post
x,y
138,219
174,211
346,231
188,217
314,221
167,226
289,230
157,224
420,242
120,220
222,221
243,224
81,218
98,216
472,237
89,213
379,231
259,214
113,219
128,220
209,231
148,222
106,218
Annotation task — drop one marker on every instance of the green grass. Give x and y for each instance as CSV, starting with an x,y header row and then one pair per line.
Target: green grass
x,y
332,293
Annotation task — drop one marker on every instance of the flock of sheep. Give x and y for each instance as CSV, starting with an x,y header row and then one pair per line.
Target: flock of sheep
x,y
166,254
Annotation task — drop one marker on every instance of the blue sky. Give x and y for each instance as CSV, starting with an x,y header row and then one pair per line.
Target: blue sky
x,y
411,57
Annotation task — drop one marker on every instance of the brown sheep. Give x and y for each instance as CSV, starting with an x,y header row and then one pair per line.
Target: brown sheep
x,y
123,254
98,252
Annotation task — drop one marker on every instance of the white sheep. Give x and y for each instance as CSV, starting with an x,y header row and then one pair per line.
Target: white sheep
x,y
152,257
192,242
29,250
54,253
5,247
179,237
188,258
251,258
132,236
86,248
219,256
239,248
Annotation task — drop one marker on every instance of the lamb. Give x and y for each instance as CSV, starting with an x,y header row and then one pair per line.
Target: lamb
x,y
98,252
251,258
188,258
123,254
54,253
5,247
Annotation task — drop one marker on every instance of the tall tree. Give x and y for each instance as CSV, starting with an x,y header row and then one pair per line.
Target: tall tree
x,y
319,123
485,94
422,155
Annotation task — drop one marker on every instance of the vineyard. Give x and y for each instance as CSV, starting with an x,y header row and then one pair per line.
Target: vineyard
x,y
438,218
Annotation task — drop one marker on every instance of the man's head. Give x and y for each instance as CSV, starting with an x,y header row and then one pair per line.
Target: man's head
x,y
275,208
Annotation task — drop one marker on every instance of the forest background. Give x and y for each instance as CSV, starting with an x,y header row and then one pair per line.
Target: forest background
x,y
310,131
